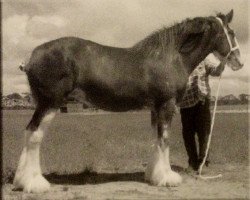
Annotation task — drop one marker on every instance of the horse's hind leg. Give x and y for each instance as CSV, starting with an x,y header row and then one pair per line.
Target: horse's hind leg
x,y
159,171
28,175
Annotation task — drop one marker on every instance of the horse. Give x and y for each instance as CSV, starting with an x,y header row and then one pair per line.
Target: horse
x,y
151,73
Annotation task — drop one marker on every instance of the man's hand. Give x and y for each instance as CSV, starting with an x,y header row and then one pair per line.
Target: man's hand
x,y
221,67
224,61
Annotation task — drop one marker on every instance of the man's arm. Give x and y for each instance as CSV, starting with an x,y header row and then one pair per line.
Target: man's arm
x,y
215,70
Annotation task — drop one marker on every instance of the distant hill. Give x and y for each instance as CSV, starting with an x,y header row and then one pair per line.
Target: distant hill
x,y
244,98
229,99
17,101
14,96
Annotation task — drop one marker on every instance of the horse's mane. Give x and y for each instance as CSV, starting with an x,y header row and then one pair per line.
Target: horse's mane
x,y
158,40
167,39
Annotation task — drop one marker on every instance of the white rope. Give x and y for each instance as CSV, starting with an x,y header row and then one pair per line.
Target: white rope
x,y
210,136
215,106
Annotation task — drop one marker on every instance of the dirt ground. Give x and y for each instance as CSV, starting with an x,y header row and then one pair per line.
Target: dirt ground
x,y
234,184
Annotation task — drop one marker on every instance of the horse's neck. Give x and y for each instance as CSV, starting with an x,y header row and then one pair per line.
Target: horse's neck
x,y
192,60
196,58
204,48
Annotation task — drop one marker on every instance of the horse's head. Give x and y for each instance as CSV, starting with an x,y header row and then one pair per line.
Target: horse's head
x,y
204,35
226,45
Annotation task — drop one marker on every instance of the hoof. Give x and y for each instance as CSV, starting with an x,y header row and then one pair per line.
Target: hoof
x,y
35,184
169,178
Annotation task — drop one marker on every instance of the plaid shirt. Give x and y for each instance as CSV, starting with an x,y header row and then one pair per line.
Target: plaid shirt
x,y
198,83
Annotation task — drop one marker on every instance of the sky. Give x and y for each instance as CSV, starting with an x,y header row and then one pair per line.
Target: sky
x,y
121,23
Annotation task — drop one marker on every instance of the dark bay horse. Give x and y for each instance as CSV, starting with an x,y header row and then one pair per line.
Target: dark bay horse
x,y
153,72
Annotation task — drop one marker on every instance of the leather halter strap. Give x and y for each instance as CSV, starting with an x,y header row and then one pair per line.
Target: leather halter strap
x,y
228,39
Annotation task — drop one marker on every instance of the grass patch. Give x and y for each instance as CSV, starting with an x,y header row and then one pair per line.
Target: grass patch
x,y
119,143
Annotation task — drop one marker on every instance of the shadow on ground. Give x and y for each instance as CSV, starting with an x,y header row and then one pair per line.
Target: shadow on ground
x,y
90,177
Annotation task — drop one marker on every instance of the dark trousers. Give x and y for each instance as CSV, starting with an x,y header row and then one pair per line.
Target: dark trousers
x,y
196,119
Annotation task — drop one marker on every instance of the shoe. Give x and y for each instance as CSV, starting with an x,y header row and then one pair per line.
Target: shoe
x,y
191,169
206,163
193,164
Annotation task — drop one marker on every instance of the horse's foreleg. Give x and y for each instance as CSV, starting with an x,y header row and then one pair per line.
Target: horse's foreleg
x,y
159,171
28,175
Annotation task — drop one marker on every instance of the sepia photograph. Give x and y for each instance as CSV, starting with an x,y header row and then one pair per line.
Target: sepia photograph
x,y
125,99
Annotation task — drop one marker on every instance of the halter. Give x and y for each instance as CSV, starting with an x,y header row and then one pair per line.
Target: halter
x,y
228,39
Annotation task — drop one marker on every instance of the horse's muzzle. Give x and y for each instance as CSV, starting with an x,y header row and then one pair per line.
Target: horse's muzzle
x,y
238,67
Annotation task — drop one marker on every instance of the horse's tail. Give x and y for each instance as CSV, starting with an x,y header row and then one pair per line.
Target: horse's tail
x,y
23,67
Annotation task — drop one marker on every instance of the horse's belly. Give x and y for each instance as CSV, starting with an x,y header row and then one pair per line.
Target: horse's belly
x,y
109,100
112,103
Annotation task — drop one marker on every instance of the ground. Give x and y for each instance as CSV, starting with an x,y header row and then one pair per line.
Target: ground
x,y
232,185
103,156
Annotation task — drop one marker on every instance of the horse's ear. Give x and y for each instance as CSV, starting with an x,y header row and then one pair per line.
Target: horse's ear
x,y
229,16
191,42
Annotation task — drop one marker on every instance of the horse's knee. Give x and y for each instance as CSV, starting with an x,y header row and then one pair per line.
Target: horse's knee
x,y
168,110
34,137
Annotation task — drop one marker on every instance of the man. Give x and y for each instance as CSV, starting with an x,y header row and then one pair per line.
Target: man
x,y
195,111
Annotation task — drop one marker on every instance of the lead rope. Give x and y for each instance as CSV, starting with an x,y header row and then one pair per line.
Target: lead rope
x,y
210,136
215,107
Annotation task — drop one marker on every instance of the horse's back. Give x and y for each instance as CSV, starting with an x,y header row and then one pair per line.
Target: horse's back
x,y
108,75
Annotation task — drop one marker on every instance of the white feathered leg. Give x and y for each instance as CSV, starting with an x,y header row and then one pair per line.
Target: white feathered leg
x,y
159,171
28,175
